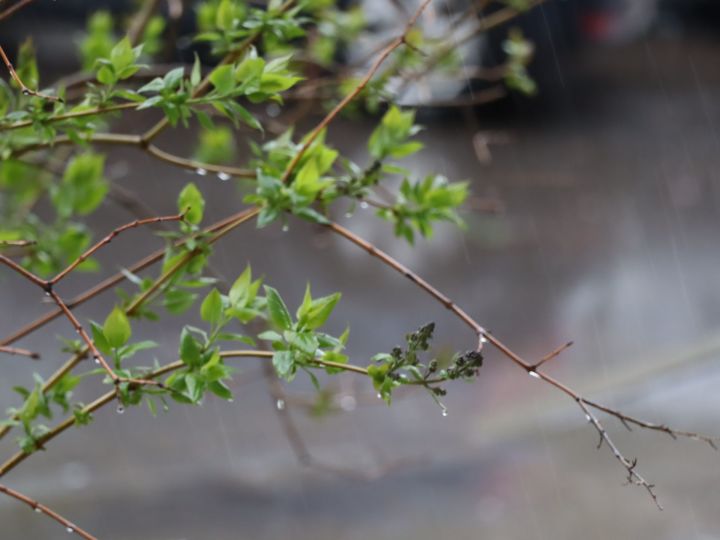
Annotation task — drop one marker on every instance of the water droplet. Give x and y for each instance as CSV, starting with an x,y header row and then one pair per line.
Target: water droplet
x,y
200,171
47,293
483,339
444,412
379,395
231,400
285,227
587,417
223,176
534,374
348,215
280,404
364,205
70,530
37,509
97,359
120,409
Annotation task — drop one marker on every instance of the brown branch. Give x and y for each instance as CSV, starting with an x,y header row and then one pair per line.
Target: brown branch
x,y
124,139
23,88
19,352
8,12
41,508
387,51
515,358
630,465
109,238
552,354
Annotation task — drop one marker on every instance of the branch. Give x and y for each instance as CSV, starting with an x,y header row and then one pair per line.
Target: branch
x,y
19,352
69,526
394,44
529,368
23,88
138,142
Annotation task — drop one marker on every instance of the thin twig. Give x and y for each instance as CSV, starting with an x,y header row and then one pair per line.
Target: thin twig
x,y
630,465
387,51
506,351
19,352
52,514
23,88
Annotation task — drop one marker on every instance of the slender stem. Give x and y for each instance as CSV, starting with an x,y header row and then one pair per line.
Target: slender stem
x,y
137,141
23,88
12,9
52,514
528,367
109,238
72,115
205,84
387,51
19,352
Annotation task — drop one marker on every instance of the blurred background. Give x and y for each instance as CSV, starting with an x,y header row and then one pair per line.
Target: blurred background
x,y
594,218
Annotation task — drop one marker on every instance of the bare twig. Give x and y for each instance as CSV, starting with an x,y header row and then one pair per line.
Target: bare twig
x,y
19,352
52,514
23,88
515,358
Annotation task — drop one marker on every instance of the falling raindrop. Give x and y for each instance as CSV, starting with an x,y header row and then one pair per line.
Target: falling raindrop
x,y
120,409
223,176
200,171
348,403
364,205
534,374
280,404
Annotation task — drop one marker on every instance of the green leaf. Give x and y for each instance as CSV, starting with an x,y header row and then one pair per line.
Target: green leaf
x,y
190,350
223,79
211,309
192,203
284,364
117,329
278,312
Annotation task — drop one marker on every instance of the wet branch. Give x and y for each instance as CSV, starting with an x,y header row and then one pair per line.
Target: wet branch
x,y
52,514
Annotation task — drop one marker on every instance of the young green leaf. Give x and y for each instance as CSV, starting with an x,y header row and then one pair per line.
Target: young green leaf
x,y
192,203
278,312
117,330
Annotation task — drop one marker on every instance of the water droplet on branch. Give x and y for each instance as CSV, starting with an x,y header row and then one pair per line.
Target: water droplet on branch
x,y
534,374
200,171
280,404
120,409
223,176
